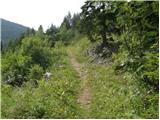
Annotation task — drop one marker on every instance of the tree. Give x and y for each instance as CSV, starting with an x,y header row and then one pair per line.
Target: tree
x,y
87,21
98,19
139,36
40,32
16,64
52,34
67,21
134,25
76,21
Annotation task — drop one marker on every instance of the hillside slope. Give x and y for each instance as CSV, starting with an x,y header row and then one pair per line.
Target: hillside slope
x,y
79,89
10,31
114,94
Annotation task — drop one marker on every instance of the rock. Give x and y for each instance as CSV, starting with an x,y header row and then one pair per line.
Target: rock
x,y
61,66
102,53
47,75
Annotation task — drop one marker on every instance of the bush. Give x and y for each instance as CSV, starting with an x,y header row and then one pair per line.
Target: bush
x,y
17,65
35,74
39,50
56,98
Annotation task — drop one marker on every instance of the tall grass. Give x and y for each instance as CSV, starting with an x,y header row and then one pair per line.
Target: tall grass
x,y
56,98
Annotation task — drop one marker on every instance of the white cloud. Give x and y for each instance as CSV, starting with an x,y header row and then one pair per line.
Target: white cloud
x,y
32,13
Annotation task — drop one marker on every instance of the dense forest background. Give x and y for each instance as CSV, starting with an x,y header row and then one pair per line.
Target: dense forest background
x,y
117,42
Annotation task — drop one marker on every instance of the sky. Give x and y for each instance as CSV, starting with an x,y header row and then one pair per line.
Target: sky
x,y
32,13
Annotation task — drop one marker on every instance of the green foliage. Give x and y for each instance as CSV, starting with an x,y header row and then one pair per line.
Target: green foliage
x,y
116,95
149,69
13,65
65,35
67,21
140,38
134,25
76,22
120,96
29,32
69,29
56,98
38,49
35,74
40,32
79,49
98,20
51,32
32,50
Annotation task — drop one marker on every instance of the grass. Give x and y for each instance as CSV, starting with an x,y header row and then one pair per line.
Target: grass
x,y
114,95
56,98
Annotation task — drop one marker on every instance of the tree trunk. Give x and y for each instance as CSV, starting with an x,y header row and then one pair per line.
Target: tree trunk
x,y
104,37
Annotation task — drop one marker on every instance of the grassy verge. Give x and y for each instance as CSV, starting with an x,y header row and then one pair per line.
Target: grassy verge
x,y
120,96
56,98
116,95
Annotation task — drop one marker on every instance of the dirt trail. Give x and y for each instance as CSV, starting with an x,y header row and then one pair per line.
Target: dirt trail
x,y
85,93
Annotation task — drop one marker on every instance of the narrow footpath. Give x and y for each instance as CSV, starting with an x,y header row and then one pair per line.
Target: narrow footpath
x,y
85,95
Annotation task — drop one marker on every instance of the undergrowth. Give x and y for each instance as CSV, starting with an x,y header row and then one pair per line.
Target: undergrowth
x,y
116,94
56,98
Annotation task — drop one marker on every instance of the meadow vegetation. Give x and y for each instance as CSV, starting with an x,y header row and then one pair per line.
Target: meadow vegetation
x,y
124,83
